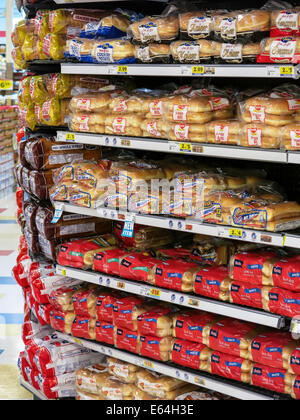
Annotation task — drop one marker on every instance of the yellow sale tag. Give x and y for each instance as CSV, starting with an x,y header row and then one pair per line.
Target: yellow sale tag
x,y
198,70
154,292
70,137
185,147
77,341
199,381
6,84
121,285
122,69
148,364
287,71
63,272
237,233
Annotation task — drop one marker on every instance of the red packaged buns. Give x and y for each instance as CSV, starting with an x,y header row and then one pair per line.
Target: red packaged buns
x,y
127,310
190,325
213,282
157,348
228,366
187,353
246,294
84,327
126,340
104,332
274,379
156,322
109,261
175,275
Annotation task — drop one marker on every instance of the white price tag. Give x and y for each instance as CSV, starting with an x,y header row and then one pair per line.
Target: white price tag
x,y
295,328
59,208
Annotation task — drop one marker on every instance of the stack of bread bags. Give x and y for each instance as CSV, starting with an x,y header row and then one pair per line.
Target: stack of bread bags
x,y
265,114
187,114
272,278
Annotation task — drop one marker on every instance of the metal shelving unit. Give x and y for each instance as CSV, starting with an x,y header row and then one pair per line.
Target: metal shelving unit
x,y
214,383
186,148
171,296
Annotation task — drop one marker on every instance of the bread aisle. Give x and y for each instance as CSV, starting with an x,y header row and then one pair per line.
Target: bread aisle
x,y
159,276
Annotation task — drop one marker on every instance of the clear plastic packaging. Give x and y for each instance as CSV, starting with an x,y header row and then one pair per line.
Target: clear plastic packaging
x,y
153,53
200,51
290,136
70,21
285,22
280,50
114,25
236,53
224,132
155,29
260,135
196,25
115,51
54,46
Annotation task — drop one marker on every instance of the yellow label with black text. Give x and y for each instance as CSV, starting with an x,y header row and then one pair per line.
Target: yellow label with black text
x,y
287,71
70,136
121,285
198,69
122,69
185,147
236,233
148,364
155,292
63,272
6,84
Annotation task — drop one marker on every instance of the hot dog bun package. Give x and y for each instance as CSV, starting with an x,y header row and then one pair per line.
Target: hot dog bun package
x,y
280,50
80,253
274,379
213,282
84,327
231,336
157,348
196,24
86,378
285,22
127,310
190,325
228,366
158,385
189,354
126,372
61,321
126,340
156,322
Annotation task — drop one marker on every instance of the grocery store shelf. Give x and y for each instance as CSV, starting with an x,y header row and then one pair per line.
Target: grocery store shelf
x,y
36,394
205,380
165,146
171,296
183,70
294,157
183,225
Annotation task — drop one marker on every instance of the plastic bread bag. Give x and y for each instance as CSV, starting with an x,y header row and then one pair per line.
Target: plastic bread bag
x,y
156,28
38,90
157,348
114,389
285,22
273,349
196,25
84,327
212,282
96,102
86,84
41,23
189,325
61,321
19,33
228,366
138,103
280,50
127,125
274,379
54,46
86,378
282,302
79,49
153,53
155,128
70,21
27,115
29,49
114,25
260,135
187,132
175,275
247,294
125,339
59,85
18,58
189,354
86,250
290,136
242,26
115,51
224,132
236,53
123,371
127,310
158,385
193,51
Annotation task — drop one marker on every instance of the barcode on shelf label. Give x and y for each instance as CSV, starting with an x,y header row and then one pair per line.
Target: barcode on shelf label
x,y
235,233
70,137
155,293
287,71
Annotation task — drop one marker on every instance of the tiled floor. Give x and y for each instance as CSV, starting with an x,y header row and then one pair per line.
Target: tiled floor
x,y
11,304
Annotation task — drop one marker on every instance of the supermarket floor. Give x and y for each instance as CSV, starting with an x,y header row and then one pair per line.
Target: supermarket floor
x,y
11,304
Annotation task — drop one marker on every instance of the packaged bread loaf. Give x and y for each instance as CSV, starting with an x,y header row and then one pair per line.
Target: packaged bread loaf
x,y
105,305
157,348
109,261
273,349
105,332
117,51
242,26
126,340
193,51
61,321
18,58
260,135
84,327
114,389
236,53
126,372
189,325
158,385
224,131
155,29
62,298
274,379
285,22
280,50
80,49
114,25
29,49
290,136
84,303
18,33
80,253
196,25
86,379
189,354
157,322
213,282
54,46
175,275
153,53
127,310
230,336
284,273
282,302
247,294
138,267
70,21
228,366
40,182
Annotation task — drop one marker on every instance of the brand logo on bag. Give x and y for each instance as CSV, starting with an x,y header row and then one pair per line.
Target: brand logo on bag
x,y
274,297
257,371
277,270
214,333
255,345
177,347
215,359
179,324
235,288
238,263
